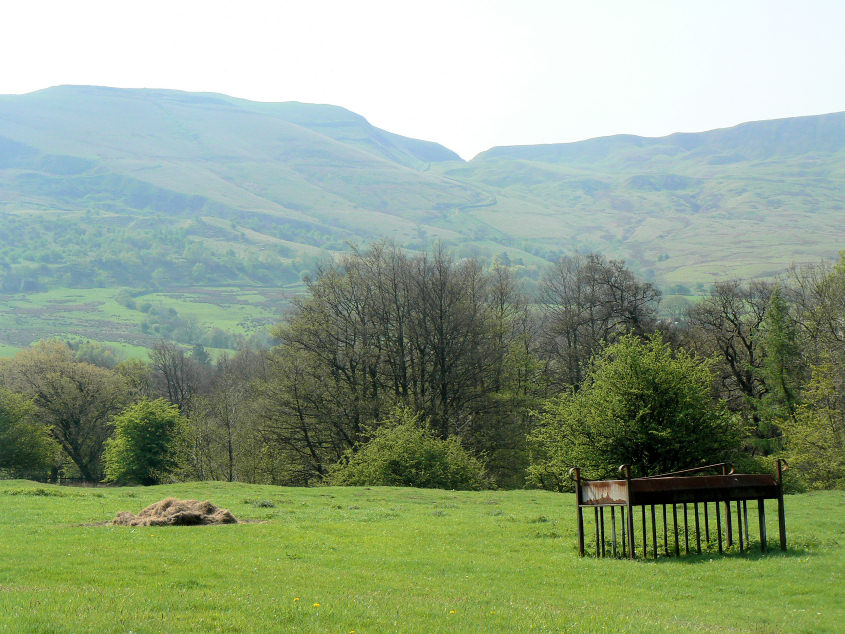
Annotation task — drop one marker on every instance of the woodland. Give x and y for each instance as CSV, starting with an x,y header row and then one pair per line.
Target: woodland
x,y
423,369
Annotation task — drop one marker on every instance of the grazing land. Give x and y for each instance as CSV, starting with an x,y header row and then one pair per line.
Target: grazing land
x,y
216,316
389,559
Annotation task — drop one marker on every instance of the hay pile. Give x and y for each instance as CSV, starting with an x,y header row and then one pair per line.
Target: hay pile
x,y
173,512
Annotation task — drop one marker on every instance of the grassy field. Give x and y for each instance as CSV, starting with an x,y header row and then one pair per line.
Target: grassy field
x,y
384,559
8,351
94,314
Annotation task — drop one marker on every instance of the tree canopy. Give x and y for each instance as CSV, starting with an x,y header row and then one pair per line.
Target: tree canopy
x,y
640,404
25,446
144,446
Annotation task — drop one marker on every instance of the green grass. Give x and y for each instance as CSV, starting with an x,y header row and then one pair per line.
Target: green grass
x,y
8,351
93,314
386,559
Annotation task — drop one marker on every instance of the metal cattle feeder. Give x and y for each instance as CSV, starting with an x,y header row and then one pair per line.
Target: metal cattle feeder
x,y
679,488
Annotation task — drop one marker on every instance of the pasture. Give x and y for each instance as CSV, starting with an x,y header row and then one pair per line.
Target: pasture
x,y
95,314
390,559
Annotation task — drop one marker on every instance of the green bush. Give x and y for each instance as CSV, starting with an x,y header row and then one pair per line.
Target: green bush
x,y
640,404
403,451
145,444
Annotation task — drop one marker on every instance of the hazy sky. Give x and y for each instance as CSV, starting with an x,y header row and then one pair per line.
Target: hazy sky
x,y
468,74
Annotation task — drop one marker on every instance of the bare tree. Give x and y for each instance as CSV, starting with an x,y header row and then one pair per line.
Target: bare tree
x,y
383,327
586,300
178,377
728,324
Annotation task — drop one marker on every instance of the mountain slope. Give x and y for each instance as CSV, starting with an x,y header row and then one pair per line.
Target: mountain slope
x,y
286,160
746,200
756,140
162,191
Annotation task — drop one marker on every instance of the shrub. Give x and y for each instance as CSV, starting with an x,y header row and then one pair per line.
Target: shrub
x,y
639,404
144,447
403,451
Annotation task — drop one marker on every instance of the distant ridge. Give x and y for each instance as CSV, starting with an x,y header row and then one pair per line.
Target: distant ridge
x,y
756,140
332,121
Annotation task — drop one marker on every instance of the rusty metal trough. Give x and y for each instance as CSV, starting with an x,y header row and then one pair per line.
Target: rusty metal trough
x,y
679,488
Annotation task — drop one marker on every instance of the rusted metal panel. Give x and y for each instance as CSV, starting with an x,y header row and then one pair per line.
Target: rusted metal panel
x,y
679,490
681,487
604,492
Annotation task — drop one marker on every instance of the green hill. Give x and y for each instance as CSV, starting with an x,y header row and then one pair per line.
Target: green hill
x,y
172,195
743,201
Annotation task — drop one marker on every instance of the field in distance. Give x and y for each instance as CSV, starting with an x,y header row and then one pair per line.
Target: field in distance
x,y
219,318
390,559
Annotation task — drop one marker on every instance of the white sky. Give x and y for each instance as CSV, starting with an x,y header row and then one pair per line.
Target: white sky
x,y
469,74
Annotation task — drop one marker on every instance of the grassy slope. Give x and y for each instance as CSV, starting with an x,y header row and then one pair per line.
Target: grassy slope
x,y
300,180
387,559
743,201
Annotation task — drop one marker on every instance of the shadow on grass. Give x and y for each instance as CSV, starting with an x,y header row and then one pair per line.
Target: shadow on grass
x,y
803,548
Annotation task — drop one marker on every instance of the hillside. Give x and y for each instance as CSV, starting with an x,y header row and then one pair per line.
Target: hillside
x,y
215,206
300,166
742,201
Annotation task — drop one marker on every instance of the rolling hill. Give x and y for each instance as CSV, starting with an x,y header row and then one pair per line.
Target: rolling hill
x,y
112,199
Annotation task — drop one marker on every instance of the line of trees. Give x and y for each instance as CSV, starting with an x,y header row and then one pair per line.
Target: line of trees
x,y
583,371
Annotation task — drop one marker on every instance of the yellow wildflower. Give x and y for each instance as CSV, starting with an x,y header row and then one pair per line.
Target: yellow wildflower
x,y
316,605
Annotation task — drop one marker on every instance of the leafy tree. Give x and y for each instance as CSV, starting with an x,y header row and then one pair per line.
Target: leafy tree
x,y
74,398
781,367
639,404
25,446
145,444
815,437
94,353
138,376
404,451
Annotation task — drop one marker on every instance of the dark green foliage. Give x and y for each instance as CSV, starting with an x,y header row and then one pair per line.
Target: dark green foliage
x,y
404,451
147,251
639,404
781,365
144,447
26,448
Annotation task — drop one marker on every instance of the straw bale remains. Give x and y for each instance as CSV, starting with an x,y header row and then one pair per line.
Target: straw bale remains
x,y
173,512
